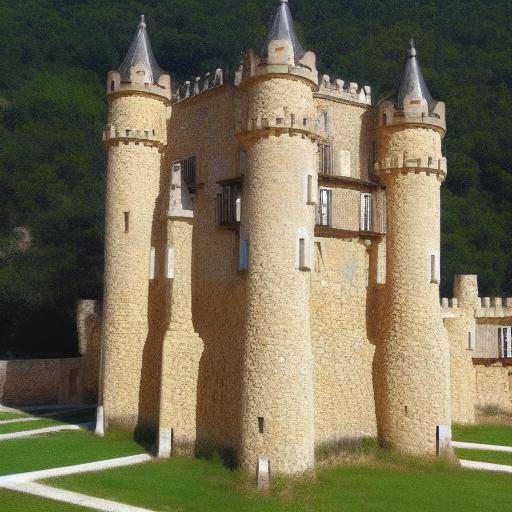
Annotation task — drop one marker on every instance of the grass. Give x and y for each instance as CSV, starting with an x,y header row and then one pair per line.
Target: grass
x,y
26,425
370,480
484,434
18,502
62,449
11,415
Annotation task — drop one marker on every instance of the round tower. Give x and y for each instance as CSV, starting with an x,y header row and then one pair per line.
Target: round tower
x,y
412,359
138,95
276,237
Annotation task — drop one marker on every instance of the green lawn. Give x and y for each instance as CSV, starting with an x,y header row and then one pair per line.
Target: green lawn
x,y
17,502
11,415
484,434
485,456
26,425
62,449
372,483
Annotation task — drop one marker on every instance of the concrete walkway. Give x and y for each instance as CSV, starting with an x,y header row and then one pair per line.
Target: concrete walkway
x,y
46,430
485,466
25,483
483,447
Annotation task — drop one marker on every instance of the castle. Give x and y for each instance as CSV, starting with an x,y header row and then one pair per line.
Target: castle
x,y
273,263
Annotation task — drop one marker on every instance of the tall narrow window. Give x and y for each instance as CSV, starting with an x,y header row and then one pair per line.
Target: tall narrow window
x,y
229,204
310,198
126,222
189,170
434,267
244,254
325,208
325,161
366,212
302,253
112,86
243,161
152,263
471,340
170,263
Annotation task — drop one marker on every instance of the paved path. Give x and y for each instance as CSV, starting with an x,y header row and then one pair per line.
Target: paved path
x,y
46,430
486,447
485,466
25,483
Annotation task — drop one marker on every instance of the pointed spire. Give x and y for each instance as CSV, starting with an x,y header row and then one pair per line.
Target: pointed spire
x,y
141,54
283,28
412,81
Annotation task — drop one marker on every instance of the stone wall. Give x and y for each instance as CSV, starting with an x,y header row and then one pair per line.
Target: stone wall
x,y
493,385
343,354
40,381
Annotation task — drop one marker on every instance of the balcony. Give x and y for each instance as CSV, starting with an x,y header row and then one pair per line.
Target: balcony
x,y
344,213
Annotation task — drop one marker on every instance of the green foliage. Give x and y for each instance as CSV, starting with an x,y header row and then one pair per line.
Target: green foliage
x,y
54,60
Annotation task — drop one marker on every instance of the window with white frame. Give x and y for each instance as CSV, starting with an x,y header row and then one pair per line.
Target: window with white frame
x,y
505,342
324,217
366,212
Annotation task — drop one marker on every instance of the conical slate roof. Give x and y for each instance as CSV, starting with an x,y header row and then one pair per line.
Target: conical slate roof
x,y
412,80
283,28
141,54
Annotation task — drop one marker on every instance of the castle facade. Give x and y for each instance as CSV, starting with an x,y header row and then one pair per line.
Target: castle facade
x,y
273,261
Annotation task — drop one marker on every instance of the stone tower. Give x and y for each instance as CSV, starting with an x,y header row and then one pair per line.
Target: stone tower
x,y
411,365
138,94
276,237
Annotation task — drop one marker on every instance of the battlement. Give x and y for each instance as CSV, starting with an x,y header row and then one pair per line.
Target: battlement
x,y
200,85
487,307
416,113
138,85
427,164
347,91
117,134
311,126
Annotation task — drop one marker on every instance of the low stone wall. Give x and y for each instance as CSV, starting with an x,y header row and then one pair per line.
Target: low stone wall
x,y
40,381
493,387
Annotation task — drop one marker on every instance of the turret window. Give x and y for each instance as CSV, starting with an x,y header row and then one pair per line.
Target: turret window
x,y
244,254
152,260
126,222
434,267
366,212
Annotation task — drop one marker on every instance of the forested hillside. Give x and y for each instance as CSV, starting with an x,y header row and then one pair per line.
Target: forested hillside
x,y
54,59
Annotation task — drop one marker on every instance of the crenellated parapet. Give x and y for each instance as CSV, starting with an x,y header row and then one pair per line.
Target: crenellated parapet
x,y
416,113
201,84
150,136
310,126
486,307
344,91
138,84
401,162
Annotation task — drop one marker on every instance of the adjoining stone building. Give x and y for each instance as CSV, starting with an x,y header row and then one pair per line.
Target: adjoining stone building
x,y
272,261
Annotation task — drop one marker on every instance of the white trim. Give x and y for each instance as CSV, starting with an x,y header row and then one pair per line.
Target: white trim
x,y
170,257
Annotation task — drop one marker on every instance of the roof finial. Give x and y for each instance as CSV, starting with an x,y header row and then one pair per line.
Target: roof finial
x,y
142,23
412,48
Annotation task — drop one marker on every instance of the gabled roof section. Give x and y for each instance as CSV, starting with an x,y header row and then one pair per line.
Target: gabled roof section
x,y
283,28
412,81
141,54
